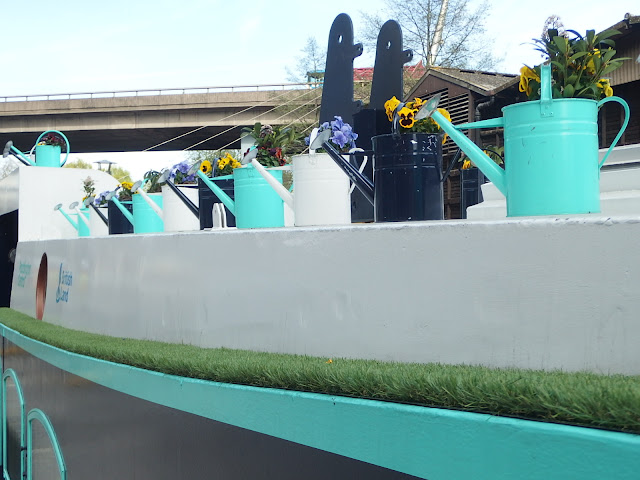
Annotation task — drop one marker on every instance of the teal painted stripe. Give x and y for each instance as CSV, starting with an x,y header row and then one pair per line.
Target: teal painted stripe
x,y
431,443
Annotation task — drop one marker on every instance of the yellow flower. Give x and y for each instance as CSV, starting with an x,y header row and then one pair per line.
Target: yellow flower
x,y
390,105
591,68
527,74
605,86
329,361
466,165
205,167
416,104
235,163
407,117
126,185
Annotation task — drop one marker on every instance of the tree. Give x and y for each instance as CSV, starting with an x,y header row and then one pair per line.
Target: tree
x,y
119,173
461,42
312,59
79,163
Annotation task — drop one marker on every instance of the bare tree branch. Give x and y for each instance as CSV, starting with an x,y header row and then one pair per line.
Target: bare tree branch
x,y
464,44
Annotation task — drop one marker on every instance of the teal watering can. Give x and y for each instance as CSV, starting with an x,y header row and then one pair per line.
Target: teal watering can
x,y
46,155
550,152
147,210
82,225
256,204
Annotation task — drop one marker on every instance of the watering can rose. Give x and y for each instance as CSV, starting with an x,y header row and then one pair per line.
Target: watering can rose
x,y
407,116
578,65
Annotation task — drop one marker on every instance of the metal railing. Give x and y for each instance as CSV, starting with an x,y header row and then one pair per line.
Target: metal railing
x,y
160,91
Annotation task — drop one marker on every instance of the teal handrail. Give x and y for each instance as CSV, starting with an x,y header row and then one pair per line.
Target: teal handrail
x,y
37,414
10,373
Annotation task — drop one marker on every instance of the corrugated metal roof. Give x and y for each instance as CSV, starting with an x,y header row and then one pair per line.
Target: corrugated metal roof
x,y
627,45
484,83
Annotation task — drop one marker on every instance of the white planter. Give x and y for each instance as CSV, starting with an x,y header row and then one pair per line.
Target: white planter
x,y
321,191
97,227
177,216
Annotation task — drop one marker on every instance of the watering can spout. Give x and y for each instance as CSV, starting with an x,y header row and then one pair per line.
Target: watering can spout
x,y
9,149
112,197
363,183
283,193
224,198
490,169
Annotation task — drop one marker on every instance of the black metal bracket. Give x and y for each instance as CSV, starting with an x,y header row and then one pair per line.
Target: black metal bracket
x,y
337,91
387,71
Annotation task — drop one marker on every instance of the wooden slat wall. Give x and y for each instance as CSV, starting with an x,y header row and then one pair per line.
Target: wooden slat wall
x,y
611,116
458,107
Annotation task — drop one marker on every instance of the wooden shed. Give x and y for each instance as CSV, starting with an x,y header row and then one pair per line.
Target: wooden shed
x,y
468,95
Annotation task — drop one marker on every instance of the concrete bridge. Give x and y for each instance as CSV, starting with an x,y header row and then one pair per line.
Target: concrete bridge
x,y
207,118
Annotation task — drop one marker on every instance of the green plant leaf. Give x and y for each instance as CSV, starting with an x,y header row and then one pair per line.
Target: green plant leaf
x,y
608,55
568,91
606,34
561,43
576,56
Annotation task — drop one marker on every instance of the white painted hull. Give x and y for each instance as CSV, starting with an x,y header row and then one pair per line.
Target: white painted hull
x,y
545,293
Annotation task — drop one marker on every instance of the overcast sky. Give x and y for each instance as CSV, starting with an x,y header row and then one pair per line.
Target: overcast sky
x,y
83,46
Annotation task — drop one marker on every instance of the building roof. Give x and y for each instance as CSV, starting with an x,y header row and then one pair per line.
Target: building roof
x,y
366,74
483,83
629,21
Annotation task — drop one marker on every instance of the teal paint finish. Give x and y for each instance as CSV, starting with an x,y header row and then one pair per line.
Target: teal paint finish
x,y
38,415
74,223
10,373
49,155
432,443
83,229
551,152
145,219
256,204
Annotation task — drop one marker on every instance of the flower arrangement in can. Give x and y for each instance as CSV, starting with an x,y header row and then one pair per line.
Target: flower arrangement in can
x,y
88,186
226,164
407,116
179,173
124,193
579,65
273,143
342,135
55,140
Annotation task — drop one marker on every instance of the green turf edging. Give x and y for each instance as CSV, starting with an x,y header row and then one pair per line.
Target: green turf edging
x,y
602,401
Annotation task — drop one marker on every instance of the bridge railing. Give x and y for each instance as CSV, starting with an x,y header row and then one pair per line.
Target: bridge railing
x,y
160,91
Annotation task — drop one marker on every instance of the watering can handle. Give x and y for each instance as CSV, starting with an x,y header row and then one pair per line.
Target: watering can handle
x,y
360,168
62,135
455,158
625,105
546,94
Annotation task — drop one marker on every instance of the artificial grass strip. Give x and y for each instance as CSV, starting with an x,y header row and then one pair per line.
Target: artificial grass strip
x,y
602,401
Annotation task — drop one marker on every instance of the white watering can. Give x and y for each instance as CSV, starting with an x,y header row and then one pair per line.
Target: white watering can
x,y
322,191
